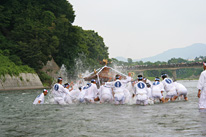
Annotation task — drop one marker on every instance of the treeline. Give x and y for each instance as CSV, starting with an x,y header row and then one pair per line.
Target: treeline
x,y
187,73
35,31
130,62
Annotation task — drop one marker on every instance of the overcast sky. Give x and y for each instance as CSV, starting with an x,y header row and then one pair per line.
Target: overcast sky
x,y
142,28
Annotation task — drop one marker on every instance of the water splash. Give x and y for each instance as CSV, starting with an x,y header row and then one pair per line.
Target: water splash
x,y
63,73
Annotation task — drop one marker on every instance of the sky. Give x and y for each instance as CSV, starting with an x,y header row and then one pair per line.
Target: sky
x,y
143,28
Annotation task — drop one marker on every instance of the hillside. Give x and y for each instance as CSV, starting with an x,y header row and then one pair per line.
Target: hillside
x,y
189,52
33,32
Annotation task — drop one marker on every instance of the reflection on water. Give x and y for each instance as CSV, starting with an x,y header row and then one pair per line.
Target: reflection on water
x,y
19,117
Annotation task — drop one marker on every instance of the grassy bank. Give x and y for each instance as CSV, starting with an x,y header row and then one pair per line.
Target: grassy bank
x,y
9,67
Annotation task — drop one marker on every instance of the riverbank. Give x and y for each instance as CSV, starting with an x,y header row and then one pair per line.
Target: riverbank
x,y
24,81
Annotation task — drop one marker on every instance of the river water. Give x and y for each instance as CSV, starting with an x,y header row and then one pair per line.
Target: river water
x,y
19,117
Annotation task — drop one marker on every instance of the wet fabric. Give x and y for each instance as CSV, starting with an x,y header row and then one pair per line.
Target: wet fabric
x,y
202,86
40,97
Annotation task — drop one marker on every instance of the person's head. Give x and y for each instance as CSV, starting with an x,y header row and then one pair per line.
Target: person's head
x,y
93,81
130,74
45,92
66,85
144,79
117,76
148,85
157,79
59,80
139,77
204,65
164,75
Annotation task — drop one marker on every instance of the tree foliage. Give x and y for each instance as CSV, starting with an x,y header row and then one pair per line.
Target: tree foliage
x,y
34,31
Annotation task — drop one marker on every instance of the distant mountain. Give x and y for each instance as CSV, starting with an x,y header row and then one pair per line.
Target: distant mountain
x,y
189,52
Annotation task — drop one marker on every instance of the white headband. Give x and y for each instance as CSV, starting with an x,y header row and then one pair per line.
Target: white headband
x,y
204,63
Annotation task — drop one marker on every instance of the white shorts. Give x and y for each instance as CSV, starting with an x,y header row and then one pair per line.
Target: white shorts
x,y
171,94
184,93
157,95
142,97
119,98
106,98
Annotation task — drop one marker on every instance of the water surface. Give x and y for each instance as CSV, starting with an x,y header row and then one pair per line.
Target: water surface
x,y
19,117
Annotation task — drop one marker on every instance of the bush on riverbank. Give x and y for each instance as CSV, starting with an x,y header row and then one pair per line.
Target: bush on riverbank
x,y
45,79
9,67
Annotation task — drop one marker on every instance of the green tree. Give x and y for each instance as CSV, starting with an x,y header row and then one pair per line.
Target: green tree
x,y
129,60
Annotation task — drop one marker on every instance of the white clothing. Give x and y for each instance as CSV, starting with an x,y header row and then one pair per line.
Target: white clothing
x,y
40,97
141,90
148,81
118,89
74,95
59,93
129,87
105,94
127,95
169,87
149,93
181,89
80,98
157,87
91,93
202,86
68,98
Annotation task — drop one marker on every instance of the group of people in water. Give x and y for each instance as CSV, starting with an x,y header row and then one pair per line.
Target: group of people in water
x,y
119,91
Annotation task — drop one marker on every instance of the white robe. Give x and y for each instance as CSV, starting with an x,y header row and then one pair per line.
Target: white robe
x,y
181,89
59,93
40,97
157,87
80,98
105,94
91,93
141,92
68,98
202,86
169,87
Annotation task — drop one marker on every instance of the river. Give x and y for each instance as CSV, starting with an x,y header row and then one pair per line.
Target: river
x,y
19,117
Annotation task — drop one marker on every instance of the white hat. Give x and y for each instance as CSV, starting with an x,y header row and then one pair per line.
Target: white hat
x,y
45,90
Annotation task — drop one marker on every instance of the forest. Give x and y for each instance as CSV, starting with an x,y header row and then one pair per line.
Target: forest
x,y
33,32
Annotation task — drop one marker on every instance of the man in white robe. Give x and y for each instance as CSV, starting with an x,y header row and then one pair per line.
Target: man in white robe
x,y
181,90
119,90
202,88
40,98
169,87
105,93
82,90
157,90
91,93
140,91
59,92
68,97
